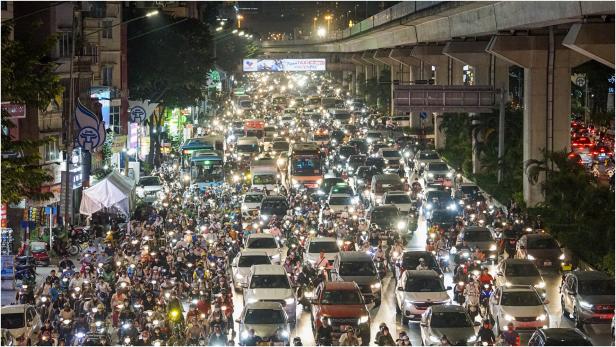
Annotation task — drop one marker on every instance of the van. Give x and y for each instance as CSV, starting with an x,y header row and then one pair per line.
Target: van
x,y
382,184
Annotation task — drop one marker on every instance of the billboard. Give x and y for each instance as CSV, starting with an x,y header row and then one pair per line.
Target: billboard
x,y
286,65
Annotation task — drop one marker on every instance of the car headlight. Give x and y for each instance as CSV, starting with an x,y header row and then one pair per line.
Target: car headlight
x,y
401,161
376,285
541,317
401,225
245,335
264,217
364,319
449,175
586,305
508,317
309,294
431,175
562,256
434,339
472,339
289,301
540,285
429,206
493,247
530,257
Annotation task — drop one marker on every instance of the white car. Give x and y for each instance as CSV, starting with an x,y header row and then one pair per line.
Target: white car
x,y
271,283
266,243
392,158
266,318
22,320
241,264
520,305
399,199
416,291
340,202
437,171
423,157
267,143
329,246
251,203
149,187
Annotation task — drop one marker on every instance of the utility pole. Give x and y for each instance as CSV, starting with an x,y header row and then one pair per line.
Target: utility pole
x,y
69,136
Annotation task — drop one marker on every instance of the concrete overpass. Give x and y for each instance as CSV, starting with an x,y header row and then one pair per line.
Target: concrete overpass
x,y
436,39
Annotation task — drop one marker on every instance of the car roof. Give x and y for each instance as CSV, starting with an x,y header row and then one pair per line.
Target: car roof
x,y
252,252
422,273
563,334
274,197
322,239
264,305
448,308
384,208
518,288
13,308
591,275
261,236
340,285
254,193
266,269
354,255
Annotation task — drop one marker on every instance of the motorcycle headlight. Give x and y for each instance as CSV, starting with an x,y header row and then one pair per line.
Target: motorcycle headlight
x,y
449,175
294,181
422,164
284,333
308,294
364,319
289,301
376,285
493,247
508,317
540,285
472,339
530,257
66,321
434,339
562,257
429,206
431,175
80,335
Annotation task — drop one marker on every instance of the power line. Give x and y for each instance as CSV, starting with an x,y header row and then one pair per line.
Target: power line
x,y
157,29
10,21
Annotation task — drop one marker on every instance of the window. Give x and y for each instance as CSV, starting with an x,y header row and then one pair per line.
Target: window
x,y
107,75
114,119
51,150
107,29
91,50
4,5
65,44
98,9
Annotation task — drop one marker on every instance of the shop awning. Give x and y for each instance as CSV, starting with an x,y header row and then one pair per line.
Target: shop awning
x,y
113,192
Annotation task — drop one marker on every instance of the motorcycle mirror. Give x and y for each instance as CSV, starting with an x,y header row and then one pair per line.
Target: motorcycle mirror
x,y
400,288
477,324
448,288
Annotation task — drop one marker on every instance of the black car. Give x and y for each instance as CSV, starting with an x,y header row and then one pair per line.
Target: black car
x,y
344,152
363,176
410,260
328,183
442,218
274,206
559,337
360,145
377,162
355,161
338,135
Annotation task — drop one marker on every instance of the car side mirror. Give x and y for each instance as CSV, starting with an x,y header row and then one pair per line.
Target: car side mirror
x,y
400,288
448,288
477,324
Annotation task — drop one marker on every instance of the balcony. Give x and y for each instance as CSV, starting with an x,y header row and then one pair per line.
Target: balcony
x,y
49,123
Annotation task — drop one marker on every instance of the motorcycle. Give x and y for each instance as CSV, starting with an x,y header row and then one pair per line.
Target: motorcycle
x,y
484,298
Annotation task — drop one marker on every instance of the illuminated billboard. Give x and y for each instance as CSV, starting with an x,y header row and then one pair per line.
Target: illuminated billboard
x,y
285,65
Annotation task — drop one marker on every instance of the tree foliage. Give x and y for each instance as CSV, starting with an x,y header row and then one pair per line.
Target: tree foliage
x,y
231,49
27,78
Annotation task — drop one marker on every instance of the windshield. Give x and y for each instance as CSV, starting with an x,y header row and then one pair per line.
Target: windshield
x,y
281,146
374,135
327,247
314,101
542,243
424,284
38,248
524,270
256,316
269,281
520,299
255,132
253,198
262,242
264,179
388,185
438,195
250,260
384,216
410,261
13,320
398,199
357,268
247,148
341,200
342,115
469,189
596,287
306,166
477,235
437,167
274,205
391,154
428,156
357,160
375,161
206,171
347,151
341,297
440,216
149,181
450,320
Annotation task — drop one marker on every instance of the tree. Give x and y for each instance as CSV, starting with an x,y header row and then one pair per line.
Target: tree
x,y
28,79
169,60
232,49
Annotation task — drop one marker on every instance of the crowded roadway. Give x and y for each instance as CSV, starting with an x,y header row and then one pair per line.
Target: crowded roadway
x,y
297,216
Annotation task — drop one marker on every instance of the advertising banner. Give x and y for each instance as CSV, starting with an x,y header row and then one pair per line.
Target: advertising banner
x,y
284,65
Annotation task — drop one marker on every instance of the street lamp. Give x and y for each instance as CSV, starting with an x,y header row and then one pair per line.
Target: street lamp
x,y
328,18
314,24
234,31
321,32
241,33
219,29
239,20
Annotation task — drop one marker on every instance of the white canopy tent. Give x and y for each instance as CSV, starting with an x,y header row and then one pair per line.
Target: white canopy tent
x,y
113,192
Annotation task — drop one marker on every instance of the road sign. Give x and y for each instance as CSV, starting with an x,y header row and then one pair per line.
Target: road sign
x,y
423,115
137,114
439,98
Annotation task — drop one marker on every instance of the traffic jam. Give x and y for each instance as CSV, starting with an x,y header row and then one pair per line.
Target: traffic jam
x,y
300,216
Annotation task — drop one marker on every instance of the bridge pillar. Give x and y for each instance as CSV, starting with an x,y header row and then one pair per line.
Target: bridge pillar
x,y
360,68
592,40
547,96
372,70
395,70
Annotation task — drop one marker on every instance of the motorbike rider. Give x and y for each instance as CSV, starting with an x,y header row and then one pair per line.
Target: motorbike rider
x,y
510,336
471,293
379,255
485,334
324,334
385,339
403,339
217,337
349,338
322,262
485,277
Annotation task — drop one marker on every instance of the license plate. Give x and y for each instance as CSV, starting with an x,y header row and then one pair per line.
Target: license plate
x,y
606,316
547,263
526,324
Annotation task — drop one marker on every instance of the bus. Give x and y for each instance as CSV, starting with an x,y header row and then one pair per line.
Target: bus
x,y
206,169
305,166
254,127
192,145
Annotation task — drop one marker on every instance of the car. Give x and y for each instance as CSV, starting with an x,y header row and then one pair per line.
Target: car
x,y
381,184
314,246
22,320
340,202
559,337
447,320
273,205
410,259
355,161
358,267
267,319
392,158
423,157
266,243
267,143
327,184
441,218
149,188
438,199
479,237
344,152
400,199
387,217
437,171
416,290
251,203
519,272
40,253
363,177
343,305
376,162
342,188
373,137
241,264
520,305
541,248
360,144
588,297
271,283
467,192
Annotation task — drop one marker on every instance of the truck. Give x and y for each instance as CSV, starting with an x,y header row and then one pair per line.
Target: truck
x,y
254,127
264,174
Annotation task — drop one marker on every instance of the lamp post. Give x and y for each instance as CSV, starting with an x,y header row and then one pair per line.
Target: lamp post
x,y
314,24
328,18
239,20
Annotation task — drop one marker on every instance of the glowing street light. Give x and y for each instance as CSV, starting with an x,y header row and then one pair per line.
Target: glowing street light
x,y
234,31
152,13
241,33
328,18
219,29
239,20
321,32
